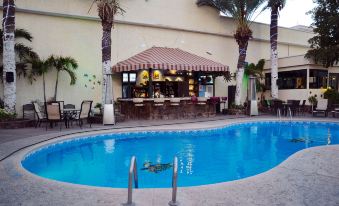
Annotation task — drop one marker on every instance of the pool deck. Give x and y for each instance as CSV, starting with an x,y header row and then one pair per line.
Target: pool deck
x,y
309,177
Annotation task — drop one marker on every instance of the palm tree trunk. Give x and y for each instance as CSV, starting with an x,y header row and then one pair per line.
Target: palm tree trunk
x,y
9,54
274,52
240,72
56,86
107,94
44,86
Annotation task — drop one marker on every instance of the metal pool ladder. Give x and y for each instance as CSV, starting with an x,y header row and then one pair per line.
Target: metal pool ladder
x,y
174,201
132,174
279,113
290,113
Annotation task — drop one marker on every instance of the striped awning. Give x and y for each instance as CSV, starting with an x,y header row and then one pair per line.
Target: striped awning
x,y
168,58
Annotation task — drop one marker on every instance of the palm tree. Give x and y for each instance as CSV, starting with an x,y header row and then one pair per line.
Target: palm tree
x,y
242,11
25,55
8,25
107,9
66,64
275,6
41,67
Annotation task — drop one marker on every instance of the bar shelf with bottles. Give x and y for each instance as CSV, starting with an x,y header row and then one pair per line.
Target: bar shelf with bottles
x,y
166,94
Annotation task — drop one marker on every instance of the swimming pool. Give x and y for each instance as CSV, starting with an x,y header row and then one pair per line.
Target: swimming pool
x,y
204,156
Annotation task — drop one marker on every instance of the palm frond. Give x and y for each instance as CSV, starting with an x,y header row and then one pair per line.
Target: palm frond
x,y
25,52
107,9
256,70
276,4
20,34
67,64
72,74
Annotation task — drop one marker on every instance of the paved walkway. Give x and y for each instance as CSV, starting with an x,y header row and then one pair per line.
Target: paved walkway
x,y
310,177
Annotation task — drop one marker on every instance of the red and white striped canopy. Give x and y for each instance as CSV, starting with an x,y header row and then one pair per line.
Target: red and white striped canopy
x,y
168,58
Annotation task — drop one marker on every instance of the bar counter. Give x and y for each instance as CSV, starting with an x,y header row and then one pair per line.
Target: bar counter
x,y
170,108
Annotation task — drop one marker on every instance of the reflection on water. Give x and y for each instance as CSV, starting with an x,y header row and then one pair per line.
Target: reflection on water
x,y
109,145
329,137
190,159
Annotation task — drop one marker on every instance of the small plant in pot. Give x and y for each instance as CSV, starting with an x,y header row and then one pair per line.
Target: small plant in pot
x,y
99,107
6,116
313,101
236,109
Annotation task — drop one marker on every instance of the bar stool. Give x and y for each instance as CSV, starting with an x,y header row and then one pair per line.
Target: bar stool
x,y
158,104
138,103
175,102
202,100
201,103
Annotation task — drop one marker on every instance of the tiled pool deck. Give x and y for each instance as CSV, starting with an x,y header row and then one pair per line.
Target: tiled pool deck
x,y
309,177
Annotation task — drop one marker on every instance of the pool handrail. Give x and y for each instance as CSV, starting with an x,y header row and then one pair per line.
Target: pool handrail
x,y
174,201
132,172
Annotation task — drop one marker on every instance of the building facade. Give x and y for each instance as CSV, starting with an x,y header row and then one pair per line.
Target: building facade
x,y
69,28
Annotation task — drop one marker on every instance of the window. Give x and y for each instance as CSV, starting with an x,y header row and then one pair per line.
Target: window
x,y
128,82
318,78
206,80
334,81
289,79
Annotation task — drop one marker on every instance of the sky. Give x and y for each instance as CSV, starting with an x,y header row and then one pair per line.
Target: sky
x,y
292,14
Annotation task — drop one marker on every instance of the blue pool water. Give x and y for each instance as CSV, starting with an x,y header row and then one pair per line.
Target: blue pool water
x,y
204,157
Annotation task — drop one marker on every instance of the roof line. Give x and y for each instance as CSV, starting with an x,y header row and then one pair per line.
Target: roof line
x,y
91,18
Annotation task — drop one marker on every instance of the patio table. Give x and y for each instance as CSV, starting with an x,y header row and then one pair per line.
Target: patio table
x,y
69,114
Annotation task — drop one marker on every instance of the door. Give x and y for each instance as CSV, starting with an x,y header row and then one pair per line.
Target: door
x,y
231,95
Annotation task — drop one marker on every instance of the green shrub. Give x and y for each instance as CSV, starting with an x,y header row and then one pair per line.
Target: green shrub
x,y
332,96
6,115
313,100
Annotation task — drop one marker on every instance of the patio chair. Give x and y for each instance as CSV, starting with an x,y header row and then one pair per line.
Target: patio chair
x,y
84,113
40,116
295,107
335,112
28,111
302,107
53,113
321,107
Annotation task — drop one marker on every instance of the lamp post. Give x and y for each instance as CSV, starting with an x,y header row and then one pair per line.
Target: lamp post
x,y
108,118
253,97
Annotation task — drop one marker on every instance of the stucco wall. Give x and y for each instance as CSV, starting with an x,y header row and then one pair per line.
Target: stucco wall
x,y
64,27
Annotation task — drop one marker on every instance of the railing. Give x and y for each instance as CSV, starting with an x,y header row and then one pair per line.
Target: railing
x,y
132,173
174,201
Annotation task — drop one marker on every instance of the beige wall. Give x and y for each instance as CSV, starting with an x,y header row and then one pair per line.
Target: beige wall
x,y
64,27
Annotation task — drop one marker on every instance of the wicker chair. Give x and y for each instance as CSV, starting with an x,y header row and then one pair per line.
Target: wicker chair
x,y
40,116
53,113
84,113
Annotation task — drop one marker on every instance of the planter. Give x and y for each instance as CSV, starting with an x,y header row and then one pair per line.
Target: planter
x,y
235,111
17,123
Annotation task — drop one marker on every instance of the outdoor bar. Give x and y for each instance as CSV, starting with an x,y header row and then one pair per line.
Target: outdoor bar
x,y
167,83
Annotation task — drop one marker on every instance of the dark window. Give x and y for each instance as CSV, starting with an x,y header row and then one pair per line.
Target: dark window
x,y
334,81
206,80
128,82
318,79
289,79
